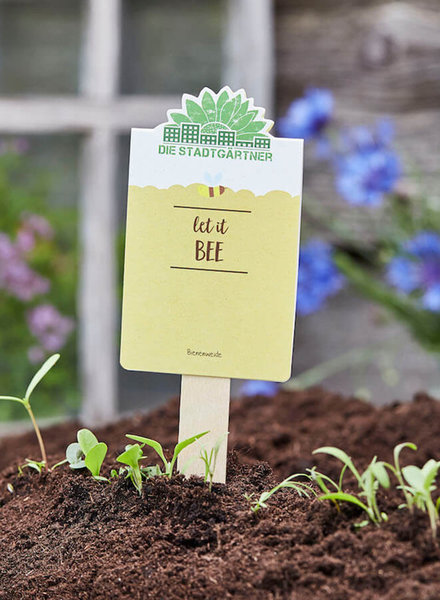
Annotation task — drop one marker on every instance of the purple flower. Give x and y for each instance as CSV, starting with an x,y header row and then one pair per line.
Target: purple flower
x,y
32,226
318,276
367,169
38,225
49,327
307,116
19,280
7,250
25,241
418,269
16,277
259,388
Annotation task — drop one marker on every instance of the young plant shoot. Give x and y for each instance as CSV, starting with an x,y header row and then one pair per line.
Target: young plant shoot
x,y
398,471
420,483
132,457
26,402
88,453
301,488
167,466
210,460
375,475
31,464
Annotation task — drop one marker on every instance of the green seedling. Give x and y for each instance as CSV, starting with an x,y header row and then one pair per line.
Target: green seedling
x,y
398,471
375,475
31,464
131,457
420,483
322,480
26,401
210,460
87,452
301,488
168,466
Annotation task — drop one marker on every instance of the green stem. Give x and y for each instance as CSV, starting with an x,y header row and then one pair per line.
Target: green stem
x,y
38,433
433,519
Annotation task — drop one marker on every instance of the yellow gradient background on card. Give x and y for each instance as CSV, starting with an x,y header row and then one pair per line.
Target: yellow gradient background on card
x,y
237,322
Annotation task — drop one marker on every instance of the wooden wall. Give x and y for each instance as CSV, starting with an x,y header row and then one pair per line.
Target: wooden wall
x,y
378,58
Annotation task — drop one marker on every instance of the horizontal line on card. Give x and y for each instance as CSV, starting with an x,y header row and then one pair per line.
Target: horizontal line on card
x,y
214,270
212,208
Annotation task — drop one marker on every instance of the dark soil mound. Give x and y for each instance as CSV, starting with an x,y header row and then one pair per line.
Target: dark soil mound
x,y
65,536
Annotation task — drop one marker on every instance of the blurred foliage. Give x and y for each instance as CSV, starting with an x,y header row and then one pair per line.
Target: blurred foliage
x,y
364,264
396,264
22,192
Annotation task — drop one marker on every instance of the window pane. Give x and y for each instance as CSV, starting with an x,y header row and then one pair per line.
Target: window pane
x,y
167,49
40,46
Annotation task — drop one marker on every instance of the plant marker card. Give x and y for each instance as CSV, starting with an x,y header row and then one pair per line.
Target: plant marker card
x,y
211,257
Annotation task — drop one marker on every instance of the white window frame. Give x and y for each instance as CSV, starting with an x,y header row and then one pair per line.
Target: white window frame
x,y
100,113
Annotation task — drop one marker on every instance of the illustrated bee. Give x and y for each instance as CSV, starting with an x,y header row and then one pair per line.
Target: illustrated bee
x,y
211,190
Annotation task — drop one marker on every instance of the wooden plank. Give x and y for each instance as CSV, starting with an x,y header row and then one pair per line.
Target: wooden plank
x,y
248,50
97,292
51,114
101,49
204,406
97,289
384,56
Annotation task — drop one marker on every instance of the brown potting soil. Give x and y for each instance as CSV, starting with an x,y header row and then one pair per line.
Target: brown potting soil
x,y
65,536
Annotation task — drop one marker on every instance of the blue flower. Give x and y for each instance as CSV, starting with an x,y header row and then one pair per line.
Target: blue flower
x,y
318,276
367,169
308,116
418,269
259,388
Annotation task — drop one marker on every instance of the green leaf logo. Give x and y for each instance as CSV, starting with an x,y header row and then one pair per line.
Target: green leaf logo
x,y
225,118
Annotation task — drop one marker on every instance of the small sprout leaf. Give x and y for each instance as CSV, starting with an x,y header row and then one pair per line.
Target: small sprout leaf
x,y
31,464
152,443
429,471
381,474
45,368
95,458
340,455
75,456
151,471
302,489
414,477
362,524
131,457
343,497
398,449
87,440
209,460
181,446
168,466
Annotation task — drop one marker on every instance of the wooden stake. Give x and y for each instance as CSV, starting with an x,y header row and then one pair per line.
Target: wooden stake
x,y
204,406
